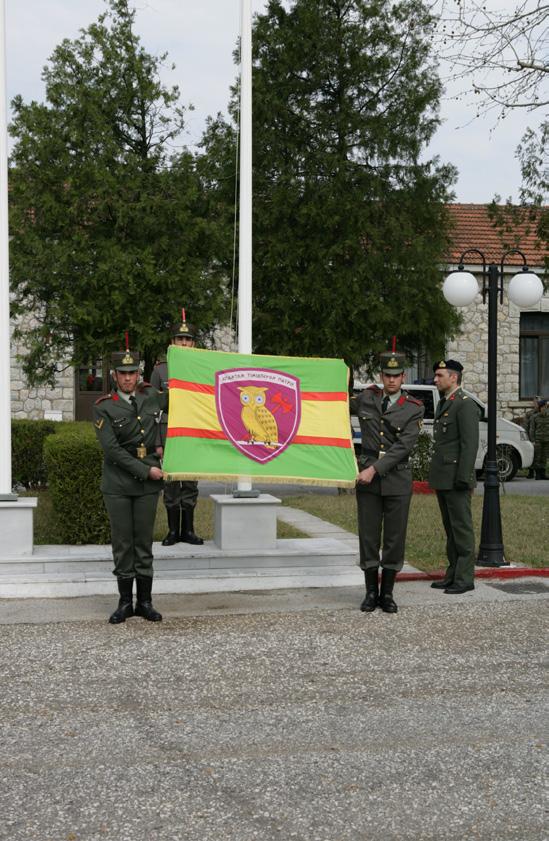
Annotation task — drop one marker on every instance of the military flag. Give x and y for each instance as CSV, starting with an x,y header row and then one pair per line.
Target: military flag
x,y
271,418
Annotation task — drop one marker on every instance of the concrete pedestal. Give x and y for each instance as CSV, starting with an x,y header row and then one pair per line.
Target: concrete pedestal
x,y
16,526
245,523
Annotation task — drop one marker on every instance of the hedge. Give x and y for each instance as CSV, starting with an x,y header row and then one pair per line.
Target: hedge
x,y
73,461
27,443
420,457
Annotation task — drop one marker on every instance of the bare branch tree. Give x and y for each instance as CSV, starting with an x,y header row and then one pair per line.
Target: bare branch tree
x,y
504,53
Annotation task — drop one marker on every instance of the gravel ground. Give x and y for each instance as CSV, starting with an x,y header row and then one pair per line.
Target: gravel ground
x,y
319,725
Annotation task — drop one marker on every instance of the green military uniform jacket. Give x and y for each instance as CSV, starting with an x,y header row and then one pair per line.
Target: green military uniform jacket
x,y
540,426
120,431
530,424
387,439
455,437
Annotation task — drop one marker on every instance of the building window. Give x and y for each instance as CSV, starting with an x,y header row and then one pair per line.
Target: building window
x,y
534,355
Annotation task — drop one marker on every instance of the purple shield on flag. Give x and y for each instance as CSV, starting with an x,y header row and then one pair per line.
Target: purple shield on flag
x,y
259,410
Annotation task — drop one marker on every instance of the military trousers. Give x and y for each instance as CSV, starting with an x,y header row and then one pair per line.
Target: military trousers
x,y
180,494
377,513
455,509
541,454
132,525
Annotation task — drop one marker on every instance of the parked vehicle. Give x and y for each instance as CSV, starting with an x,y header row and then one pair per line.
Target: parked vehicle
x,y
513,448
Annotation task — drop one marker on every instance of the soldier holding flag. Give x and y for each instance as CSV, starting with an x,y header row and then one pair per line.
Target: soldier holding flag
x,y
390,422
126,425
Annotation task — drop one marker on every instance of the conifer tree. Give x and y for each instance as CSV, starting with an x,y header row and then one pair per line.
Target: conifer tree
x,y
350,227
109,218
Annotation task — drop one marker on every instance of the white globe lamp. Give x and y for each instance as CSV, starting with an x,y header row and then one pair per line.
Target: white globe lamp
x,y
460,288
525,289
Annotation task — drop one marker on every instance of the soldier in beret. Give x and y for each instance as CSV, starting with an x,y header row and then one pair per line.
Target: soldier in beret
x,y
452,474
126,425
540,434
180,498
530,426
390,422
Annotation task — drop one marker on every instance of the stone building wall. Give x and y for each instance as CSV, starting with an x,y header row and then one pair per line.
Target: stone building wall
x,y
224,338
471,348
43,402
59,403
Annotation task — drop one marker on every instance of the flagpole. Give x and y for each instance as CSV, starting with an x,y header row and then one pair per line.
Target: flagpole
x,y
5,403
245,203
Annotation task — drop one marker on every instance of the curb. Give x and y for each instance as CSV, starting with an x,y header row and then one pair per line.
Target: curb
x,y
484,572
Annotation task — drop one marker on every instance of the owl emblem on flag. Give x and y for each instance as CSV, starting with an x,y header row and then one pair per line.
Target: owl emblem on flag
x,y
259,410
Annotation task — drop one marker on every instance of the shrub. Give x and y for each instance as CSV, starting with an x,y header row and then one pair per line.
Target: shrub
x,y
27,457
420,457
73,460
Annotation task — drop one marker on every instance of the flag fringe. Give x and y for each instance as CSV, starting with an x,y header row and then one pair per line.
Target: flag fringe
x,y
264,480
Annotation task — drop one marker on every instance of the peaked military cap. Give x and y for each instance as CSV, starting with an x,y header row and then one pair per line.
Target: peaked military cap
x,y
125,360
451,364
392,362
183,328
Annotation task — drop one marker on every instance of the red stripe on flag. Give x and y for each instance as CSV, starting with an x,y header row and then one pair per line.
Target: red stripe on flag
x,y
323,442
190,432
188,386
325,396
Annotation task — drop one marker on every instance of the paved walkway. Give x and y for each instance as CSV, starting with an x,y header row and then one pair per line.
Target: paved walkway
x,y
280,715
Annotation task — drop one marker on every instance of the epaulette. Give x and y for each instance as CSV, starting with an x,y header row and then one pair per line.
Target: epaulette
x,y
103,397
143,385
413,400
374,387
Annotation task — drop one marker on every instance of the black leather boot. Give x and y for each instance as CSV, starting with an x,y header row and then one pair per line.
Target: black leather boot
x,y
370,600
386,601
173,524
143,605
187,534
441,584
125,606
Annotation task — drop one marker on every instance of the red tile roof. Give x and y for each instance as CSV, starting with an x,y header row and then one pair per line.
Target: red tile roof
x,y
473,228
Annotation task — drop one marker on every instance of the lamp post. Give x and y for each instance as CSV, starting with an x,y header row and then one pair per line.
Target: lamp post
x,y
525,290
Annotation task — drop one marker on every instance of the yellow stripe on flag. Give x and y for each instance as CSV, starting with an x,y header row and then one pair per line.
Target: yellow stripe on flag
x,y
319,418
192,409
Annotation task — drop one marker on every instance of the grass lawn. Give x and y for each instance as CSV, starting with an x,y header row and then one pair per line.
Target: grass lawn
x,y
45,532
525,523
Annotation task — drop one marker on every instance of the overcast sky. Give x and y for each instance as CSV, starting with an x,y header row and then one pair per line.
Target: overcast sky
x,y
200,38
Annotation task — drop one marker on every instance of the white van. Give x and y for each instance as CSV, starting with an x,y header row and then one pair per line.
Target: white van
x,y
513,448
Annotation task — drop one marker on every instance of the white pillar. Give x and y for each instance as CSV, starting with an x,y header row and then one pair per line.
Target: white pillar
x,y
5,408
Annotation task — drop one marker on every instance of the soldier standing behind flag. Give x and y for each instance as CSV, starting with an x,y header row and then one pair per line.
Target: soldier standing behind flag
x,y
180,498
389,422
126,425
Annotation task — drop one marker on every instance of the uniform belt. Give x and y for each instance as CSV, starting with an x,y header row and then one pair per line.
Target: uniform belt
x,y
133,451
375,454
